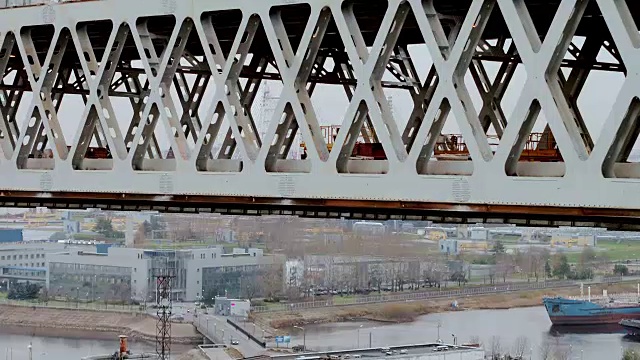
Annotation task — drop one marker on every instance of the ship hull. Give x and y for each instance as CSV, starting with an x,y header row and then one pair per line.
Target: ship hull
x,y
592,319
587,329
568,312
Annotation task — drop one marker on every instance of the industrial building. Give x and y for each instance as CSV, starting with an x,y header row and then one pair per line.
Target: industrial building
x,y
122,273
449,246
572,238
10,236
356,273
429,351
456,246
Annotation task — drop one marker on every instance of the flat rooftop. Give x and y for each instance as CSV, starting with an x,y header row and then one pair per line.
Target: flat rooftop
x,y
423,350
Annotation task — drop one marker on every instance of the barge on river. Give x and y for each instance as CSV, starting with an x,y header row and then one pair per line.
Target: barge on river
x,y
600,310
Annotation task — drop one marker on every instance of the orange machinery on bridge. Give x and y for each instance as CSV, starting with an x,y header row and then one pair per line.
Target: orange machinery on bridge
x,y
361,150
540,147
92,153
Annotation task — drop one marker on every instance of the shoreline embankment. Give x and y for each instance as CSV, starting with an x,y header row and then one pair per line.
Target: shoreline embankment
x,y
90,325
408,311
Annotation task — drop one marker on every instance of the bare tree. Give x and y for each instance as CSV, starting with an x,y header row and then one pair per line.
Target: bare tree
x,y
495,347
504,264
139,237
545,351
520,347
252,286
376,278
271,281
44,295
492,274
561,353
536,259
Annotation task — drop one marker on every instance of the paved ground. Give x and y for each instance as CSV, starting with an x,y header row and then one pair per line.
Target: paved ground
x,y
217,354
185,311
194,354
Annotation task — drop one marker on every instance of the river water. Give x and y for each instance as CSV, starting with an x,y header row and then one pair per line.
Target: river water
x,y
66,345
507,325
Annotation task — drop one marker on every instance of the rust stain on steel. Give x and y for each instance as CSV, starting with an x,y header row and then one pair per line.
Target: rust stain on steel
x,y
403,207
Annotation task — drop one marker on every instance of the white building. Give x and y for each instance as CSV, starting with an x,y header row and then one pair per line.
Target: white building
x,y
430,351
26,261
449,246
238,308
125,273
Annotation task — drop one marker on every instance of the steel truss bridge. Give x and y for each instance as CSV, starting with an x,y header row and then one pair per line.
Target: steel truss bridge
x,y
188,75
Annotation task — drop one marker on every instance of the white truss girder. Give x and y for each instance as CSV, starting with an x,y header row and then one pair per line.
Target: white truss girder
x,y
589,176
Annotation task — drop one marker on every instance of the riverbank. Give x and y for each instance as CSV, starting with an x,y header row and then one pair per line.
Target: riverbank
x,y
90,324
408,311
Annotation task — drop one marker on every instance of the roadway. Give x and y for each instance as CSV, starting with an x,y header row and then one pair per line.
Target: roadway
x,y
217,330
214,327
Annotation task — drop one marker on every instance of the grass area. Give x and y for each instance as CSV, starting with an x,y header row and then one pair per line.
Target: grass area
x,y
573,257
348,299
614,250
508,239
621,250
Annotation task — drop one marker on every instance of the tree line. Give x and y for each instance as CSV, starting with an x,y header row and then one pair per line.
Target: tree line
x,y
538,262
547,350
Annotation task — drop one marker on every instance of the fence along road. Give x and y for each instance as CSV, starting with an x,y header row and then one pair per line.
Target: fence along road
x,y
440,294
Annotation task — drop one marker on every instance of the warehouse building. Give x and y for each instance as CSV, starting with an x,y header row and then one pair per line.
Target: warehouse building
x,y
10,236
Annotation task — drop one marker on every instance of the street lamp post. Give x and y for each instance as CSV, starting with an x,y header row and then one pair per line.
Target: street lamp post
x,y
304,337
360,327
93,292
370,342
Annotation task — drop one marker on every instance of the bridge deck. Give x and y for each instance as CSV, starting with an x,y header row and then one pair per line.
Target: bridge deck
x,y
192,79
